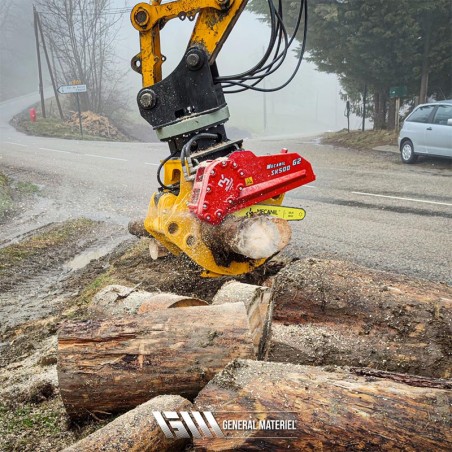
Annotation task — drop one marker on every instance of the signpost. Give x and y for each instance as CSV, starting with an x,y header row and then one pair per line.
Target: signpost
x,y
75,88
72,89
397,92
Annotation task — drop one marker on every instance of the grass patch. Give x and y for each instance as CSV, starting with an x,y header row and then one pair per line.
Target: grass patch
x,y
361,140
27,188
95,286
13,255
29,417
39,427
6,201
53,127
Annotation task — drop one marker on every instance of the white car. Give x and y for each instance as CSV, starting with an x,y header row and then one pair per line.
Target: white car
x,y
427,131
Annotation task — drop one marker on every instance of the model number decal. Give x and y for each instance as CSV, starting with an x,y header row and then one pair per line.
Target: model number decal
x,y
283,169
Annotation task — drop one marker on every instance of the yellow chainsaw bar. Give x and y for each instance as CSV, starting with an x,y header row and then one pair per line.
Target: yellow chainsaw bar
x,y
286,213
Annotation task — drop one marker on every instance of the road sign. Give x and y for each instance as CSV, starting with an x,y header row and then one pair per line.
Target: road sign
x,y
398,91
72,89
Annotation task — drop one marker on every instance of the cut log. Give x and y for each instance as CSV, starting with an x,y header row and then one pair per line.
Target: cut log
x,y
136,430
322,410
258,308
156,249
116,300
113,365
332,312
255,237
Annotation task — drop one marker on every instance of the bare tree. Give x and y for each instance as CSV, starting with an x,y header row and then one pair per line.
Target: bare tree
x,y
17,51
81,34
5,16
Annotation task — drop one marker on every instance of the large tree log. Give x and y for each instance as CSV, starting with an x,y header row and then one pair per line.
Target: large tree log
x,y
116,300
331,312
257,300
329,411
136,430
115,364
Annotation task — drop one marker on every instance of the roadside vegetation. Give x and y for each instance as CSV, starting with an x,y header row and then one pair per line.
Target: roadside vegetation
x,y
6,201
357,139
95,127
12,191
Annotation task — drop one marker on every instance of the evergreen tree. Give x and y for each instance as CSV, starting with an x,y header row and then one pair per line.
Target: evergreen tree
x,y
380,44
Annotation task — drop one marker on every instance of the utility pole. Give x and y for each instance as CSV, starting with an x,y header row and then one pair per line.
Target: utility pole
x,y
41,88
49,67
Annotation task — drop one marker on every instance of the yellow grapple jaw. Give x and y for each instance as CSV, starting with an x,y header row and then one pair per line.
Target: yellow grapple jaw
x,y
171,223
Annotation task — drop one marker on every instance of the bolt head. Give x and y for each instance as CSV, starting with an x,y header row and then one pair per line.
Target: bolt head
x,y
141,17
147,99
193,59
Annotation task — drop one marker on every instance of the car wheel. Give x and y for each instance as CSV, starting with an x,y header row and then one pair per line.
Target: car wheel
x,y
407,152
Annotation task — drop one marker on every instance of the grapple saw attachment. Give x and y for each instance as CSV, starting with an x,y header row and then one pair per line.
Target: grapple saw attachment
x,y
217,203
229,184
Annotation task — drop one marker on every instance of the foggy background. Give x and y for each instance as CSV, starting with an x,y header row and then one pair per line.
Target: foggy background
x,y
309,105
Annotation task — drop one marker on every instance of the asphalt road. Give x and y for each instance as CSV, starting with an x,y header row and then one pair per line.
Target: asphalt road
x,y
365,207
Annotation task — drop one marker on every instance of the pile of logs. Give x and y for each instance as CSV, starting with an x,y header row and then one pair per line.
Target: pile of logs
x,y
142,353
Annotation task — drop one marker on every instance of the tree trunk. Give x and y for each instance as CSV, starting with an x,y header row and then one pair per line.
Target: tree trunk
x,y
391,114
328,411
380,100
114,365
137,430
425,61
332,312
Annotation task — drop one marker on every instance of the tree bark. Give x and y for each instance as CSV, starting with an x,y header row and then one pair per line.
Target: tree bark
x,y
425,61
329,411
392,114
115,364
380,107
332,312
137,430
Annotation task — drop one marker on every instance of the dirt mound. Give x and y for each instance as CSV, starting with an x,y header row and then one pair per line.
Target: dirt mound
x,y
96,125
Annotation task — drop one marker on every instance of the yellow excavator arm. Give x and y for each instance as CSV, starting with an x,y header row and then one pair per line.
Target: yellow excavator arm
x,y
215,19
